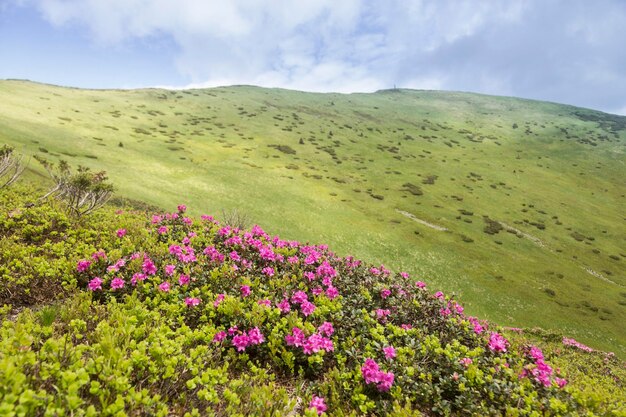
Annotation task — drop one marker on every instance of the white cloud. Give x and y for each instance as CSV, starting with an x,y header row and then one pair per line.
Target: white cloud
x,y
559,51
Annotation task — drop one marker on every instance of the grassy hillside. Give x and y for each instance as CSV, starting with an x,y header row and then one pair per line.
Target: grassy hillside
x,y
516,206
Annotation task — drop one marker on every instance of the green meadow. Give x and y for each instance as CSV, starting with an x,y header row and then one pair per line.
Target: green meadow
x,y
517,207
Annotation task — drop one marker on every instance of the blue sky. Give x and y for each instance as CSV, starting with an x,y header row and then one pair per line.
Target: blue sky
x,y
567,51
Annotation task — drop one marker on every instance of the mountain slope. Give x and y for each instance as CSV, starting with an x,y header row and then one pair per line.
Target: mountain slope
x,y
516,206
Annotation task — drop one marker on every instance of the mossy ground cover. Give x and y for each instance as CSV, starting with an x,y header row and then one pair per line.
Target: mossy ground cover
x,y
170,314
334,168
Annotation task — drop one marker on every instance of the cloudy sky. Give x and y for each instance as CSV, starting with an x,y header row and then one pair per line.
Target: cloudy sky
x,y
567,51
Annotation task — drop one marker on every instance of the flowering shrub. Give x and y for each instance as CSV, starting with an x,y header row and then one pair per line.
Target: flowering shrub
x,y
190,317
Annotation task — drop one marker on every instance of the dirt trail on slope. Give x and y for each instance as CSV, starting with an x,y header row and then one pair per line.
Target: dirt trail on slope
x,y
532,238
420,221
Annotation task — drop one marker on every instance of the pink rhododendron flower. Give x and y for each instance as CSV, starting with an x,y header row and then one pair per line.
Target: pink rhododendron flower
x,y
560,382
219,336
386,381
296,338
370,371
439,295
459,308
95,284
318,404
234,256
373,375
245,290
183,279
117,283
162,230
420,284
233,330
137,277
188,221
299,297
445,311
164,286
406,327
574,343
156,219
255,337
385,293
311,258
148,267
117,265
233,241
269,271
307,308
309,275
218,300
169,270
83,265
241,341
317,291
331,292
284,306
121,232
325,270
497,342
466,362
404,275
99,255
326,328
182,208
293,259
224,231
382,313
192,301
390,352
536,353
265,302
478,327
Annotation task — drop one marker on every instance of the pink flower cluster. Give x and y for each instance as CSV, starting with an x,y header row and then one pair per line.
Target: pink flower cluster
x,y
497,342
465,362
95,284
241,339
540,370
373,375
318,404
83,265
382,314
390,352
315,342
578,345
192,301
479,327
300,297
